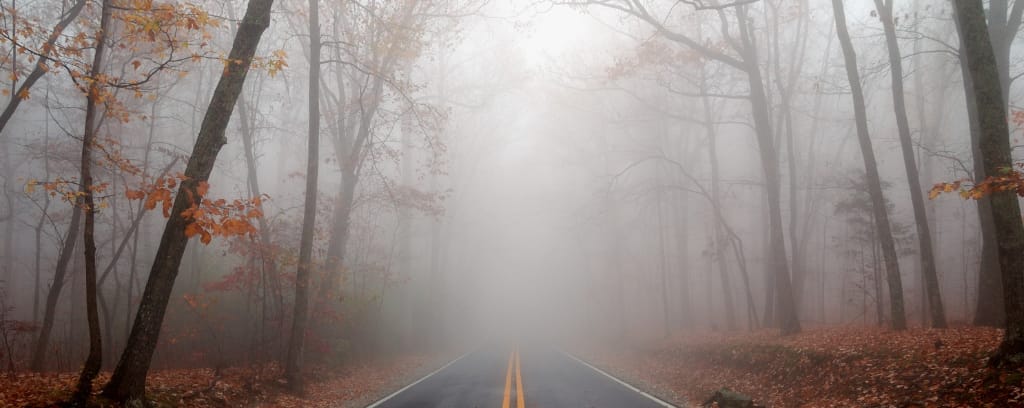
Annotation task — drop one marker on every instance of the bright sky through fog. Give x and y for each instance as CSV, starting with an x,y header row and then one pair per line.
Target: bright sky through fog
x,y
554,32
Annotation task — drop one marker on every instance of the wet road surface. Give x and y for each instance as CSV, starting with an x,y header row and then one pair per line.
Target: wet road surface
x,y
509,378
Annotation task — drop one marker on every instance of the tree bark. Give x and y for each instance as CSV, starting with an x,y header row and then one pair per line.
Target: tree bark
x,y
989,309
267,250
95,357
874,183
300,318
1004,24
785,306
128,381
924,235
719,240
994,144
66,253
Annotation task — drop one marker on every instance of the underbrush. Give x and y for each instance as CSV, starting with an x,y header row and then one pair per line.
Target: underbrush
x,y
829,367
254,386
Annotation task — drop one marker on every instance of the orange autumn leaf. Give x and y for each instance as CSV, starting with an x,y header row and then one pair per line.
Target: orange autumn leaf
x,y
192,229
134,194
202,188
167,205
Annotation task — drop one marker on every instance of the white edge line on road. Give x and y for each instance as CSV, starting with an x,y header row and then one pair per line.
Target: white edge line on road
x,y
625,384
385,399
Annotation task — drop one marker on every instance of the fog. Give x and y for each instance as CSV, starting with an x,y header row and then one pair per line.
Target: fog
x,y
563,173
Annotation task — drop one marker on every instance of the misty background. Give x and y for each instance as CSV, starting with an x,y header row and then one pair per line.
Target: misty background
x,y
530,169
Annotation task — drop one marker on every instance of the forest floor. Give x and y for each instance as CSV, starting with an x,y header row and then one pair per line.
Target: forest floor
x,y
826,367
257,386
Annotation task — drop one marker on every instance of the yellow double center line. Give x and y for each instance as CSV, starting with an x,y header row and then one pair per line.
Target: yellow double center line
x,y
513,361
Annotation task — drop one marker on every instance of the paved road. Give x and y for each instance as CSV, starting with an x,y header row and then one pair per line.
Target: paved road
x,y
509,378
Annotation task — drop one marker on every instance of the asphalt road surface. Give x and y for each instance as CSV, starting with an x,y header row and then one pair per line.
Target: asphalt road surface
x,y
511,378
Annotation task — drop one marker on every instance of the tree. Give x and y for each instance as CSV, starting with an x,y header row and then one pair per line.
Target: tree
x,y
93,97
146,32
744,60
46,55
994,146
862,238
873,180
390,38
1004,23
128,381
67,249
924,235
293,362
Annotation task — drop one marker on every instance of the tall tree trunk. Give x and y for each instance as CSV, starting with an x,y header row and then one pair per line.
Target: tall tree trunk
x,y
769,285
989,310
785,306
666,321
40,350
874,183
36,289
994,143
300,318
267,250
95,358
719,240
128,381
785,83
1004,23
747,63
924,235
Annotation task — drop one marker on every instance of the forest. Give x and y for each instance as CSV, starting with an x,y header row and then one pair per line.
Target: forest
x,y
600,203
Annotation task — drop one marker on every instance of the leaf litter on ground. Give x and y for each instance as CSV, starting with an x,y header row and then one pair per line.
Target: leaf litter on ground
x,y
827,367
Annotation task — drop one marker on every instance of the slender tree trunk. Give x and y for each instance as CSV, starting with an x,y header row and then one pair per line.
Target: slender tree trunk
x,y
266,249
785,83
36,289
719,240
874,183
687,316
95,358
128,381
666,321
785,306
996,155
769,285
876,268
612,250
293,363
40,350
924,235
